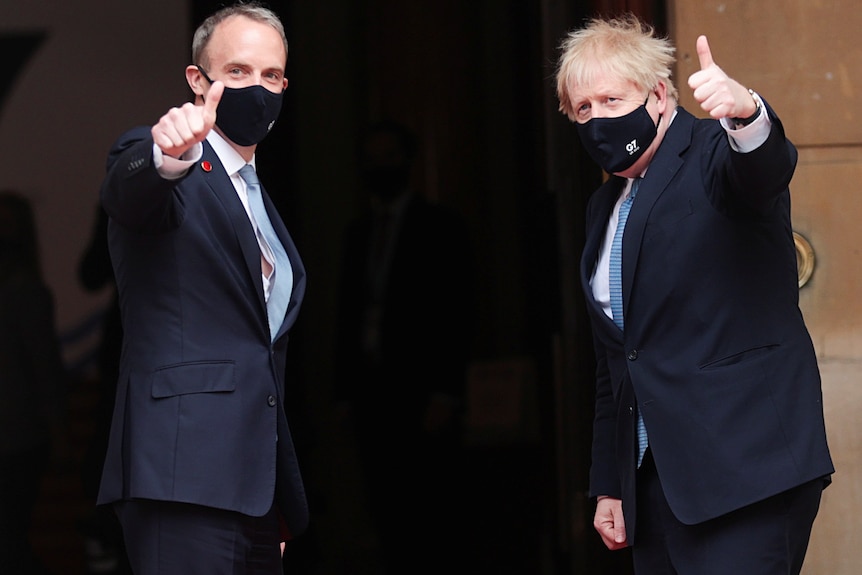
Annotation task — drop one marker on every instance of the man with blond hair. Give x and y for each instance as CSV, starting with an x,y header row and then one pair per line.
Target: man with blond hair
x,y
709,447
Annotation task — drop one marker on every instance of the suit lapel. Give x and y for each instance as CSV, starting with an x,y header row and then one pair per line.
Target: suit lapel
x,y
219,182
663,167
600,208
296,264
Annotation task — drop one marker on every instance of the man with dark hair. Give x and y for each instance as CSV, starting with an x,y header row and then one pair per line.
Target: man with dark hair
x,y
200,465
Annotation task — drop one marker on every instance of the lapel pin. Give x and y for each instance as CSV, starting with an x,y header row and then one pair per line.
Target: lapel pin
x,y
207,167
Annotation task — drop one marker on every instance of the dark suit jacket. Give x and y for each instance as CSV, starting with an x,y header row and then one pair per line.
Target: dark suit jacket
x,y
715,352
199,414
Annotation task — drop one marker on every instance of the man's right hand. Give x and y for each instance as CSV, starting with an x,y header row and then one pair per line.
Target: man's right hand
x,y
719,95
181,128
609,522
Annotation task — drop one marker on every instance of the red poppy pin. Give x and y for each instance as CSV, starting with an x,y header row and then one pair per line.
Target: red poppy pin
x,y
207,167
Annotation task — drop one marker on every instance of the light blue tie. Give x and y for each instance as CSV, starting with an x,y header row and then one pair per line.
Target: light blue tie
x,y
615,278
282,278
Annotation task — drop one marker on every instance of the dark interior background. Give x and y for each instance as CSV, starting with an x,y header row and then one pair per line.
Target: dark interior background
x,y
475,81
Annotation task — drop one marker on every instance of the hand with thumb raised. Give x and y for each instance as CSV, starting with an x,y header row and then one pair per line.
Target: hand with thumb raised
x,y
718,94
181,128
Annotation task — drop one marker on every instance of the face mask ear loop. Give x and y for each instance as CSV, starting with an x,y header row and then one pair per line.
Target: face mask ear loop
x,y
207,78
658,121
203,73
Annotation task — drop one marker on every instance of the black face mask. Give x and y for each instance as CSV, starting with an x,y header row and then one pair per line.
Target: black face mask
x,y
246,115
617,143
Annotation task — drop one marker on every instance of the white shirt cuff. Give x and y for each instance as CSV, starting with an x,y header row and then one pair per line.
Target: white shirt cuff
x,y
752,136
175,168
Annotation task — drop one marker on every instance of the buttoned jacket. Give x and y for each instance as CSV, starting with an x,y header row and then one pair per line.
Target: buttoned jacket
x,y
715,353
200,415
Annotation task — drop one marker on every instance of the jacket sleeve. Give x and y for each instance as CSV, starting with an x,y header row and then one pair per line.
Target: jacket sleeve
x,y
604,476
750,182
133,193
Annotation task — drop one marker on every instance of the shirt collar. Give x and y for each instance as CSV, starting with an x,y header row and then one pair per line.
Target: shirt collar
x,y
229,158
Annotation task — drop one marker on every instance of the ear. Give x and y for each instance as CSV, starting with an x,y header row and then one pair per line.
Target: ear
x,y
196,81
660,92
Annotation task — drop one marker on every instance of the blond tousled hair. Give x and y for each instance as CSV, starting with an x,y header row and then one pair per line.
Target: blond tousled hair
x,y
623,47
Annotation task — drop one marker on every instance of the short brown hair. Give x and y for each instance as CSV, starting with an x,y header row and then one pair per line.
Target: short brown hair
x,y
253,10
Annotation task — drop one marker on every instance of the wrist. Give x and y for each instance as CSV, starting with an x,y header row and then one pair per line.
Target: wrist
x,y
743,122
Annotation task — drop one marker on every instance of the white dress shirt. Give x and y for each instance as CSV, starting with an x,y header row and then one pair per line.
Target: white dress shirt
x,y
741,140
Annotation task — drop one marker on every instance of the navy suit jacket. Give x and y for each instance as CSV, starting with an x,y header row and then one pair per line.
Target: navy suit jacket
x,y
199,414
715,352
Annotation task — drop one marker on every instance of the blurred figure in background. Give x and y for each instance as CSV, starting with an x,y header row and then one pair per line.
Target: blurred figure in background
x,y
104,548
32,383
404,333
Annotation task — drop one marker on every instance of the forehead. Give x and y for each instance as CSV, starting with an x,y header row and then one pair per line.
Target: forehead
x,y
241,39
602,85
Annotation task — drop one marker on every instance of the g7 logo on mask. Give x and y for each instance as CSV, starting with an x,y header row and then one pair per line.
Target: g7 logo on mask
x,y
632,147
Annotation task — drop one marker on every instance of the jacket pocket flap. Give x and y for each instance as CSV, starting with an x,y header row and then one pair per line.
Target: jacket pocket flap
x,y
193,378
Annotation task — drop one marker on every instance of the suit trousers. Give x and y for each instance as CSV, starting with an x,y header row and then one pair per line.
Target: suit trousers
x,y
769,537
169,538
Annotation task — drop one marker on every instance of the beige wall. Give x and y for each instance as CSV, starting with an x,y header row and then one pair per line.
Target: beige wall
x,y
99,71
804,58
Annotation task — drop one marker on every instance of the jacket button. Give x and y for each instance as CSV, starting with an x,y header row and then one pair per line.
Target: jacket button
x,y
632,355
270,401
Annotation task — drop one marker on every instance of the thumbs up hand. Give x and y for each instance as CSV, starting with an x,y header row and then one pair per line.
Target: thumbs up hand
x,y
719,95
181,128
